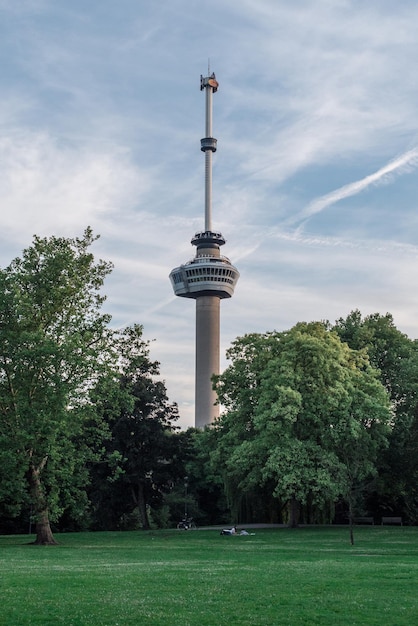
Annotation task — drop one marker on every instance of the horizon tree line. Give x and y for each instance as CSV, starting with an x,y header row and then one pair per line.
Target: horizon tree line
x,y
320,422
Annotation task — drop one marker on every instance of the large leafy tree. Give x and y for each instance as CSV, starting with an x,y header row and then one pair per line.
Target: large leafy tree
x,y
52,339
396,357
304,415
141,455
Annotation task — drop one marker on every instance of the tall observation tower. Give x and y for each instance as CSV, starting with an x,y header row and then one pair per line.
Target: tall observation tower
x,y
207,278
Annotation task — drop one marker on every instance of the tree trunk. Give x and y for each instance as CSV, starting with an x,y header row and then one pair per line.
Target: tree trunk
x,y
44,536
139,499
351,518
294,510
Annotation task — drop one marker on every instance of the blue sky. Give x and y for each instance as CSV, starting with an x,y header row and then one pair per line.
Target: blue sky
x,y
315,179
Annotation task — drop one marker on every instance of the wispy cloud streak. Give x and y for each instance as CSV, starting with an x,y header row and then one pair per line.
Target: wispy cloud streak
x,y
371,245
402,164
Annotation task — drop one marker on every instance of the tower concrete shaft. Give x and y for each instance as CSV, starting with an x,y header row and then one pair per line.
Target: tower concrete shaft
x,y
208,316
207,278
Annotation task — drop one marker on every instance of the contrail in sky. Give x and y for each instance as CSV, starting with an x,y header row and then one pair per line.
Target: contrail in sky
x,y
402,163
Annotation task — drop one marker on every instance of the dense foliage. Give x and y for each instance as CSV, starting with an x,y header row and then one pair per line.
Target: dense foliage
x,y
140,463
319,423
304,418
395,490
52,335
79,402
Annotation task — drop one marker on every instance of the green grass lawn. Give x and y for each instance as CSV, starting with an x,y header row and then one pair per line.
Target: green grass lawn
x,y
169,578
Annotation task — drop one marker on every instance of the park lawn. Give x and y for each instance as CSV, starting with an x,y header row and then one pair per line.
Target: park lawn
x,y
278,576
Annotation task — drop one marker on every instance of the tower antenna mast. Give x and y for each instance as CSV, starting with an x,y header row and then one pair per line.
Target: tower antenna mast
x,y
208,144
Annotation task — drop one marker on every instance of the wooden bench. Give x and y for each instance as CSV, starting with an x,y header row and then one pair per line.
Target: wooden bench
x,y
392,520
363,520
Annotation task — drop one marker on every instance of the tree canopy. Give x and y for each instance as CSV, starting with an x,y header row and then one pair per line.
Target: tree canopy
x,y
52,338
301,410
141,456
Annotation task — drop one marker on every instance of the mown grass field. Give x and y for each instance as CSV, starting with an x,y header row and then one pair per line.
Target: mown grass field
x,y
286,577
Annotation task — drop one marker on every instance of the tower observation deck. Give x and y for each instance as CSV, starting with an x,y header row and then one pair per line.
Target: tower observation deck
x,y
208,278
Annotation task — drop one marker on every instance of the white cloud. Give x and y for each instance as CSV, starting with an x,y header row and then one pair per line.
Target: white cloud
x,y
101,121
48,186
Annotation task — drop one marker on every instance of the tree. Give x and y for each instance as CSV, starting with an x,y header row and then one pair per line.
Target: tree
x,y
52,340
142,450
294,404
396,358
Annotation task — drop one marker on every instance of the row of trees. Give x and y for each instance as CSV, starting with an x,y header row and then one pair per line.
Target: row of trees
x,y
79,406
316,420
